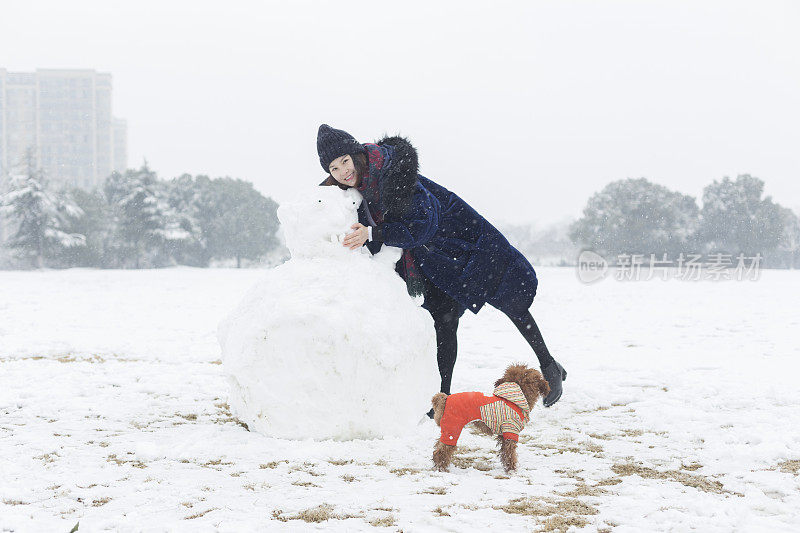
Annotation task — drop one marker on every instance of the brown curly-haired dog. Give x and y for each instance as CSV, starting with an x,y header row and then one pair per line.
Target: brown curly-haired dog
x,y
504,414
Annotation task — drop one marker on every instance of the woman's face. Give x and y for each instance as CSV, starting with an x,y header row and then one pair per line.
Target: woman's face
x,y
344,171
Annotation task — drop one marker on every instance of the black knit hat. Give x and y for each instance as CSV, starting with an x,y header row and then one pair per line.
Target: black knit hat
x,y
333,143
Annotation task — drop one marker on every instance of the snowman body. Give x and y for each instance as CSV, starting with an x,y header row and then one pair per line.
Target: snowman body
x,y
329,345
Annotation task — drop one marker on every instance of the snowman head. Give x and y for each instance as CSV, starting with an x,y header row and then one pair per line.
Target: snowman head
x,y
315,223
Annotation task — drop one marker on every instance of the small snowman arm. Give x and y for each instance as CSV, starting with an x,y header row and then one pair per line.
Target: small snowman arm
x,y
414,228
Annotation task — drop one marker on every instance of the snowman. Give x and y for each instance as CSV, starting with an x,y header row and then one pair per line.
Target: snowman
x,y
329,345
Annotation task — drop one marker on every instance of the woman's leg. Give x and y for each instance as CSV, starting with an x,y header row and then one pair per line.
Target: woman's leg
x,y
552,371
445,312
527,326
446,326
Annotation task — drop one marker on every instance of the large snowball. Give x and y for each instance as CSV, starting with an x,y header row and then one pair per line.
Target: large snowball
x,y
329,344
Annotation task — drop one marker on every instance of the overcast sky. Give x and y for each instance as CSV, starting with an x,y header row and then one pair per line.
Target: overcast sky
x,y
522,108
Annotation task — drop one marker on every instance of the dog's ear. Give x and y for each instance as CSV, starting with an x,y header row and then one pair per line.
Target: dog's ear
x,y
438,402
537,380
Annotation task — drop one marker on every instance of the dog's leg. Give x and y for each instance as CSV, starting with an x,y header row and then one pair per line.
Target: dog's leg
x,y
442,455
508,453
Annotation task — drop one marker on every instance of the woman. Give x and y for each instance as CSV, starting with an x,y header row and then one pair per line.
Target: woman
x,y
451,254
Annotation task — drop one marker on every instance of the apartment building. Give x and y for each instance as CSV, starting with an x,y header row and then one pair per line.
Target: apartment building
x,y
66,118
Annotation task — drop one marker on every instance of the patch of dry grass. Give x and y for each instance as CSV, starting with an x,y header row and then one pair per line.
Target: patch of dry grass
x,y
592,447
790,466
65,358
561,524
405,470
317,514
558,514
584,448
198,515
582,489
306,468
466,461
593,410
119,461
73,358
47,457
434,490
305,484
272,464
224,416
572,473
215,462
385,521
690,480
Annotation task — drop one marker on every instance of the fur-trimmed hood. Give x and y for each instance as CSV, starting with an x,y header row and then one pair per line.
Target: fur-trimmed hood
x,y
396,173
398,177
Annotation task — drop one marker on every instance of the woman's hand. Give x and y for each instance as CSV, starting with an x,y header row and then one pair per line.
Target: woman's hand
x,y
357,238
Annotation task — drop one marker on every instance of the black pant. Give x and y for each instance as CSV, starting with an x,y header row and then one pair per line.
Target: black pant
x,y
446,313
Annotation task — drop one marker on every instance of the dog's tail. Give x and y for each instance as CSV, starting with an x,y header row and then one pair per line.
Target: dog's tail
x,y
438,401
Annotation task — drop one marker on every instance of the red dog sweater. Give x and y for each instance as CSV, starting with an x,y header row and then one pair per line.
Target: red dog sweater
x,y
505,413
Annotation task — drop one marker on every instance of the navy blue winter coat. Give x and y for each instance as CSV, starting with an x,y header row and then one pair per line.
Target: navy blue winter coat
x,y
457,249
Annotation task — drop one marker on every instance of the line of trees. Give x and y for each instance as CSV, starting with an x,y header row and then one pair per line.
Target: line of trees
x,y
638,216
136,220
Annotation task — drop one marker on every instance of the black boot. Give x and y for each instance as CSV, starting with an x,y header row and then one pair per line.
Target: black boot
x,y
554,373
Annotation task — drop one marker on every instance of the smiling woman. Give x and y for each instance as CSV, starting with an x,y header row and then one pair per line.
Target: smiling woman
x,y
451,254
343,170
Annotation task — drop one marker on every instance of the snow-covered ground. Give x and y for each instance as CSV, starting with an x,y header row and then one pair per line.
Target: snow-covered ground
x,y
681,411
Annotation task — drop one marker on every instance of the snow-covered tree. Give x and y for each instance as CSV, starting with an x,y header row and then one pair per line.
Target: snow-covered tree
x,y
187,197
38,216
636,216
242,223
545,245
789,245
96,223
145,225
736,219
